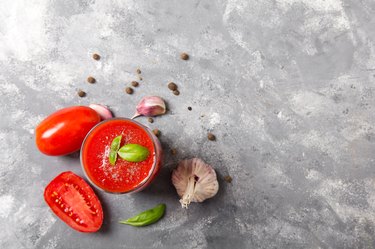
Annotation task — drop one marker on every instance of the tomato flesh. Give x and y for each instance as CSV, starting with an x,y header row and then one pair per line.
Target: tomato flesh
x,y
63,132
74,202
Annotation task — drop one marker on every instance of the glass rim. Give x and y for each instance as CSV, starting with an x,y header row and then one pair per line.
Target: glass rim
x,y
151,172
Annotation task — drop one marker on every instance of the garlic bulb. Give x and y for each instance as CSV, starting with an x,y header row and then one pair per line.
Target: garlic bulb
x,y
195,181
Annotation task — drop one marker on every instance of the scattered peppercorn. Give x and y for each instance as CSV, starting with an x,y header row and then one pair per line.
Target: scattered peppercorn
x,y
96,57
135,83
151,120
91,80
129,90
172,86
211,136
139,77
81,93
138,71
228,178
184,56
189,108
176,92
173,151
156,132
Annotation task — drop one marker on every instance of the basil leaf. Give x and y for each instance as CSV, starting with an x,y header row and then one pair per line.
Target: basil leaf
x,y
147,217
133,153
112,157
115,145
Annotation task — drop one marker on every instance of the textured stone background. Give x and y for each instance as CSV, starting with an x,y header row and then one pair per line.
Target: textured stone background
x,y
287,86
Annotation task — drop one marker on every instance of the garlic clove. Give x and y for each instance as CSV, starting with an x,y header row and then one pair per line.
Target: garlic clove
x,y
195,181
150,106
102,110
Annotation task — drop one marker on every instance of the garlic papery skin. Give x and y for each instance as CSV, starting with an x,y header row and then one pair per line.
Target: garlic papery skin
x,y
195,181
150,106
102,110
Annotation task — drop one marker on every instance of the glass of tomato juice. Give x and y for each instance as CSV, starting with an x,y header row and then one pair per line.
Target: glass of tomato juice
x,y
123,177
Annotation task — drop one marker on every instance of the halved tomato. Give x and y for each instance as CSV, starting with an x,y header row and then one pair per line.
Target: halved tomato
x,y
74,202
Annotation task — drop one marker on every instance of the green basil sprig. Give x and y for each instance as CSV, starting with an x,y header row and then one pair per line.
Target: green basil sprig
x,y
147,217
115,145
129,152
133,153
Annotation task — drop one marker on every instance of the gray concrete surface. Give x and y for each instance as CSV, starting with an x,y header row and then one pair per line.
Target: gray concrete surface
x,y
287,86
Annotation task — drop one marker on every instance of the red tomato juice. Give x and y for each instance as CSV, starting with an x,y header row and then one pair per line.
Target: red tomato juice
x,y
124,176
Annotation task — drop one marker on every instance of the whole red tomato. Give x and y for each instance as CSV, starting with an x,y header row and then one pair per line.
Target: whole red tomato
x,y
63,132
